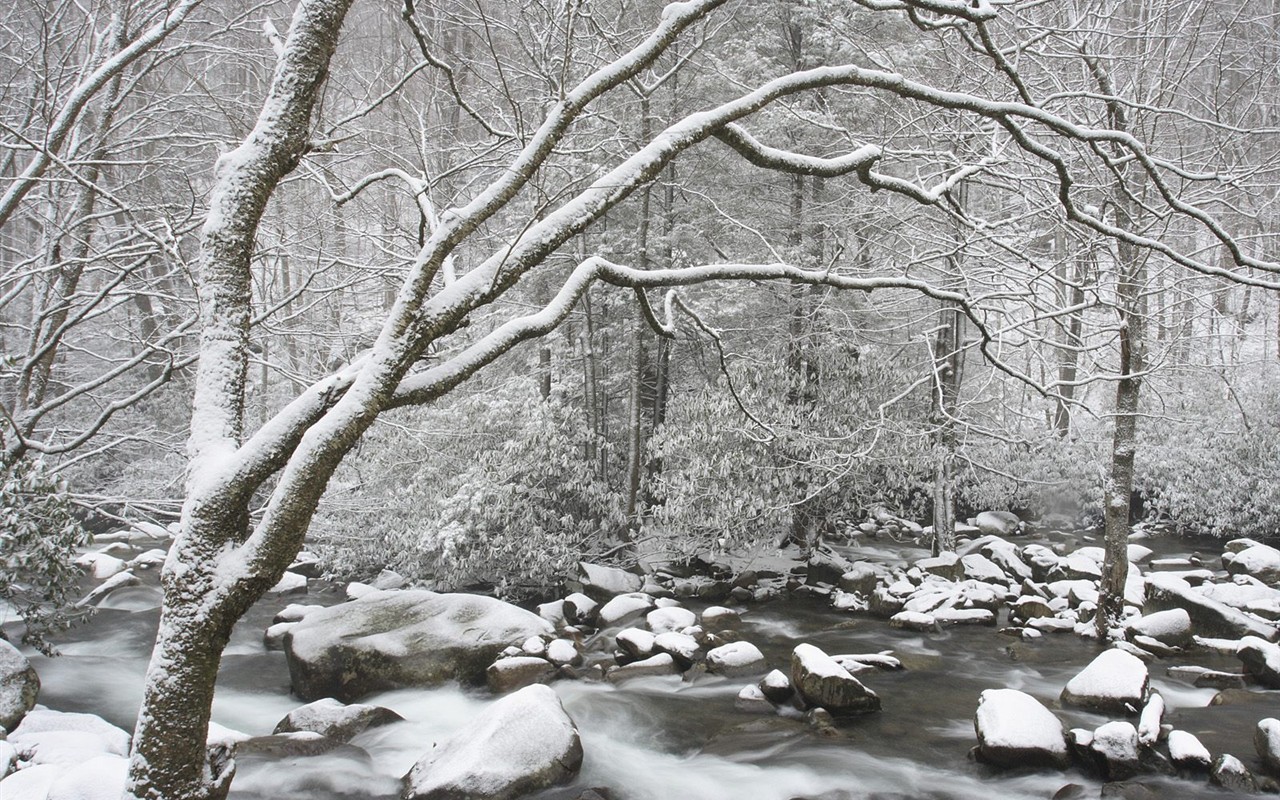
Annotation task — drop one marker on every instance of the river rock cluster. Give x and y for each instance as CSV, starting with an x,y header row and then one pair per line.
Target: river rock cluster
x,y
617,625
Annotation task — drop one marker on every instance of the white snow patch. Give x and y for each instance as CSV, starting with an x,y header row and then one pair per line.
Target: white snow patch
x,y
1009,718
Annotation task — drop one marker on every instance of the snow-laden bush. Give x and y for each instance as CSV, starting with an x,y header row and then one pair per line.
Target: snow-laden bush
x,y
38,541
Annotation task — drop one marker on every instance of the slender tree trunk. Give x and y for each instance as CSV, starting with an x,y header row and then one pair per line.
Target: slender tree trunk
x,y
1068,368
169,759
948,372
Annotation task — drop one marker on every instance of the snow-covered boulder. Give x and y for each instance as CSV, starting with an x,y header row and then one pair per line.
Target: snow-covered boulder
x,y
100,777
625,607
681,646
290,583
54,737
509,674
824,683
719,618
735,658
294,612
913,621
635,642
101,591
1259,560
1115,748
980,568
1172,627
329,717
827,567
101,565
601,582
1076,567
1229,773
1150,718
1115,681
1261,660
1186,752
659,664
753,701
521,744
1015,730
388,640
998,523
273,637
1210,618
776,686
19,686
944,565
671,618
1266,739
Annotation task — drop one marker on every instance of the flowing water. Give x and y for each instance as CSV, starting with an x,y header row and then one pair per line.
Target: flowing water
x,y
664,738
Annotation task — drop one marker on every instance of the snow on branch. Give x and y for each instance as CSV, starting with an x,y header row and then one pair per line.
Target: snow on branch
x,y
61,126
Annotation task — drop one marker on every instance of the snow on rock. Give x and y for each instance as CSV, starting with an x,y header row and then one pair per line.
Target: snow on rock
x,y
8,758
54,737
752,700
108,586
1115,681
1229,773
294,612
150,559
389,640
331,718
965,616
290,583
682,647
659,664
1168,590
625,607
273,636
1186,751
1266,740
100,565
1172,627
913,621
635,642
509,674
980,568
1150,719
719,617
1015,730
734,659
671,618
1261,660
563,651
1115,744
998,523
776,686
579,609
1138,553
944,565
1075,567
19,686
100,777
824,683
600,582
521,744
1259,560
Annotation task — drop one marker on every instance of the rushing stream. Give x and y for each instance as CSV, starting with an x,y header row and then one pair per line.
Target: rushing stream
x,y
661,738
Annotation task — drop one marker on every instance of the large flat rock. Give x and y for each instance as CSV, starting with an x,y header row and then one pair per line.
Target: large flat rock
x,y
395,639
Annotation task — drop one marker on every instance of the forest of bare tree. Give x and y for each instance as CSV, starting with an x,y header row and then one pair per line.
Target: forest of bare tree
x,y
588,343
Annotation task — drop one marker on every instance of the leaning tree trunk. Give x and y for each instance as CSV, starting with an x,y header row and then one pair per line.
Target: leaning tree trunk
x,y
948,374
169,759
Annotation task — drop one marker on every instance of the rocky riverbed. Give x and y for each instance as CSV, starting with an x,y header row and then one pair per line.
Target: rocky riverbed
x,y
868,670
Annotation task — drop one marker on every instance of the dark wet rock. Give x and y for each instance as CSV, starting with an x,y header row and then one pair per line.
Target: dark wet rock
x,y
820,681
19,686
397,639
1015,730
520,744
752,700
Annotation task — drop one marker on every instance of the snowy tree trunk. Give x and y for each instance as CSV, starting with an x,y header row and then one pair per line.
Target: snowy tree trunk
x,y
202,602
948,375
